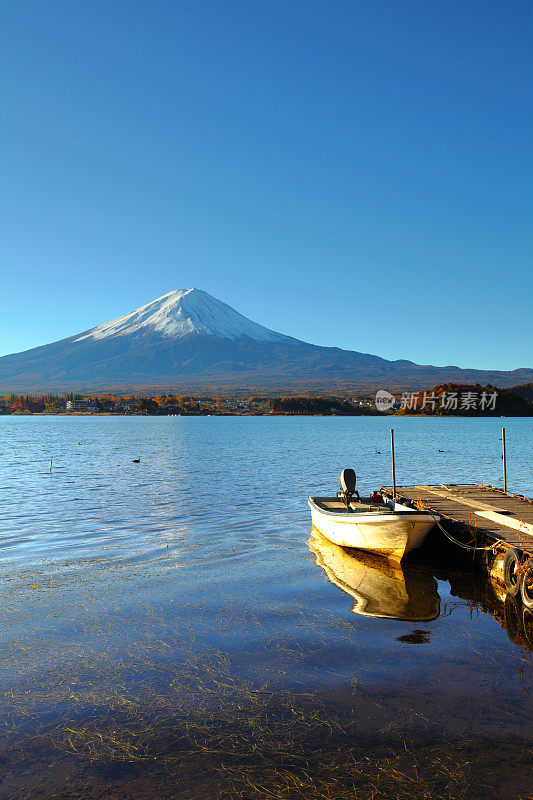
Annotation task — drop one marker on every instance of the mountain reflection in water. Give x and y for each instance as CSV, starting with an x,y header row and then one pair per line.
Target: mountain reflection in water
x,y
378,587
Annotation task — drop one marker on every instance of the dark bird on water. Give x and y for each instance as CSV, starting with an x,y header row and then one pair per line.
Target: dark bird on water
x,y
136,460
378,451
441,451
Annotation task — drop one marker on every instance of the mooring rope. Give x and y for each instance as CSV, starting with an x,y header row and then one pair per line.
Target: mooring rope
x,y
456,541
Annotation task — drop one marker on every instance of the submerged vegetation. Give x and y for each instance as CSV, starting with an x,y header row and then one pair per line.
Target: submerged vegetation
x,y
198,728
154,715
261,745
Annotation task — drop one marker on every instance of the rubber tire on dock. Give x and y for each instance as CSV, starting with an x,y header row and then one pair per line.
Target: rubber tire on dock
x,y
509,566
526,586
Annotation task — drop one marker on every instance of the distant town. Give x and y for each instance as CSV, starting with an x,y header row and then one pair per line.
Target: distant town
x,y
442,400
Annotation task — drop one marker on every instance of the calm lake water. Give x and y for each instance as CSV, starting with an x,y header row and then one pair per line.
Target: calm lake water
x,y
169,629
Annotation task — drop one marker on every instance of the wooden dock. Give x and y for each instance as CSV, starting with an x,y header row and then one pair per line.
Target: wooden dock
x,y
482,516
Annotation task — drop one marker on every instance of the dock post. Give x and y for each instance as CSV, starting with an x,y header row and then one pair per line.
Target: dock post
x,y
393,463
504,456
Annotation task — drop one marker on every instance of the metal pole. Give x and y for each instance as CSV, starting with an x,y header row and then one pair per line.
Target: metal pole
x,y
504,462
393,463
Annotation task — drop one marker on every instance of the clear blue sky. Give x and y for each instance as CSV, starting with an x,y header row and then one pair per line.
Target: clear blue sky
x,y
350,173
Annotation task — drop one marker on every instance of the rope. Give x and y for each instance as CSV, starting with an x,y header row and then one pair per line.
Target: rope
x,y
455,541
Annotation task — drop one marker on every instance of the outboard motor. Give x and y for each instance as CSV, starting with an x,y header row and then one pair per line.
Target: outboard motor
x,y
348,480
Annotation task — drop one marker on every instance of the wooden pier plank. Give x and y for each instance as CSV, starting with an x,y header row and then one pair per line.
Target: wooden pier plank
x,y
460,501
507,522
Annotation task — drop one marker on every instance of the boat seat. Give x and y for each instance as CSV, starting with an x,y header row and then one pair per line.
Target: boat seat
x,y
333,505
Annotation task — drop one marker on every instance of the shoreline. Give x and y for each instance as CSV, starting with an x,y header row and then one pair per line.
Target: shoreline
x,y
259,414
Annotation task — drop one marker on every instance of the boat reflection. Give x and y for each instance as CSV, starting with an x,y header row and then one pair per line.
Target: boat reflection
x,y
378,587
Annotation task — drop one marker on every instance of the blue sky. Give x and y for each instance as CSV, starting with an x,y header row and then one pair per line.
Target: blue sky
x,y
350,173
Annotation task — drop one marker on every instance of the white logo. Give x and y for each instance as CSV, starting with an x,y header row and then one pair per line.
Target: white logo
x,y
384,400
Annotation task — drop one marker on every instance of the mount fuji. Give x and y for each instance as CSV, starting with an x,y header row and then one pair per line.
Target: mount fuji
x,y
187,338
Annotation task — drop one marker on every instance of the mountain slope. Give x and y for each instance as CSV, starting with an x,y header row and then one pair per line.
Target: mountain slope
x,y
189,338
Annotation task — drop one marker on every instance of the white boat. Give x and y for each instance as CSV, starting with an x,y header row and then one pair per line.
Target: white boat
x,y
380,526
377,586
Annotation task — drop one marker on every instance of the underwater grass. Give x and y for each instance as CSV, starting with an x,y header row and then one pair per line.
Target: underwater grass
x,y
142,709
202,731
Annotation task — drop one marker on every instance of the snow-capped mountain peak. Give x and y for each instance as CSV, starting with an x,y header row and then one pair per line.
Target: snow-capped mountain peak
x,y
183,312
187,339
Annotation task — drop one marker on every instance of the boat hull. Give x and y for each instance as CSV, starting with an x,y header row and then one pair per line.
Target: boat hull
x,y
388,534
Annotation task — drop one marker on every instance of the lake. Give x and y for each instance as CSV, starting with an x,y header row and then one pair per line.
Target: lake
x,y
170,628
